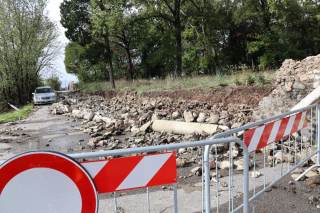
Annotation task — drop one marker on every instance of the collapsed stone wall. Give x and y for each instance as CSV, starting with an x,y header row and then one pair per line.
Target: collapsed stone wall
x,y
293,81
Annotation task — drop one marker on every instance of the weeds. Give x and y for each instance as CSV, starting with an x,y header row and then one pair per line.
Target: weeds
x,y
16,115
203,82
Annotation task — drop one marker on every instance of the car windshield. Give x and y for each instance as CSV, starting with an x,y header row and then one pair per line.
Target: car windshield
x,y
44,90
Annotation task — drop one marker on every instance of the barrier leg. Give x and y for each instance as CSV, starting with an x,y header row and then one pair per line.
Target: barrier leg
x,y
175,197
148,199
207,180
318,135
115,202
245,180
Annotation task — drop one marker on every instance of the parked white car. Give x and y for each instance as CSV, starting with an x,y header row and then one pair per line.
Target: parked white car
x,y
44,95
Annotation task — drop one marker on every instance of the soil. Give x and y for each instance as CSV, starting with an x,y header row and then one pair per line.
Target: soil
x,y
250,95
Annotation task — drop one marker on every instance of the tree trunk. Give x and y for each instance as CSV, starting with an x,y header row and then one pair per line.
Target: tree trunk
x,y
113,85
178,69
130,65
177,25
109,59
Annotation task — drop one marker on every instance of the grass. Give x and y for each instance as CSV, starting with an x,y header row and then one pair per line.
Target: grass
x,y
203,82
16,115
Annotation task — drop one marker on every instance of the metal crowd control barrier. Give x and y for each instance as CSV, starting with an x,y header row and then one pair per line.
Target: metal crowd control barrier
x,y
155,149
136,166
286,142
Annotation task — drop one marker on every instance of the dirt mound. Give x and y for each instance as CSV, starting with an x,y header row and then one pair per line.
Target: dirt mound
x,y
251,95
294,80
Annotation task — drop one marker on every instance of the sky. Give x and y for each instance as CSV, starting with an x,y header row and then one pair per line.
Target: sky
x,y
58,68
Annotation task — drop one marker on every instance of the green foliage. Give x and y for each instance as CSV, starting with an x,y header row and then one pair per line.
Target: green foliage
x,y
146,38
54,82
168,84
75,17
26,48
250,80
85,61
16,115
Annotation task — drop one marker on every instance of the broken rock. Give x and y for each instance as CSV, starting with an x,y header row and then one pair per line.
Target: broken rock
x,y
188,116
201,118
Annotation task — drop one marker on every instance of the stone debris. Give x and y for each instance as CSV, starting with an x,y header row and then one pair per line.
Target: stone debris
x,y
313,181
293,81
125,120
255,174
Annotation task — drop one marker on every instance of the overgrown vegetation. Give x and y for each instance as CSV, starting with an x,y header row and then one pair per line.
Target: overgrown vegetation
x,y
204,82
142,39
26,48
16,115
54,82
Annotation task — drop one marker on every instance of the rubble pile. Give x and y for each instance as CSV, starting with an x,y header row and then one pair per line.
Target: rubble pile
x,y
293,81
125,120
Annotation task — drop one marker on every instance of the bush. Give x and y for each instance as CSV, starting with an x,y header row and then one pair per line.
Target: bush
x,y
54,82
261,80
250,80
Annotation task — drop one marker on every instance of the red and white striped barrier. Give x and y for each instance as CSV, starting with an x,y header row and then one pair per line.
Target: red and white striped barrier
x,y
259,137
133,172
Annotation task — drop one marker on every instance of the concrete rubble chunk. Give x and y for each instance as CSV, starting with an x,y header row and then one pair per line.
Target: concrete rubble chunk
x,y
77,113
175,115
188,116
145,127
314,180
183,128
88,115
202,117
213,118
255,174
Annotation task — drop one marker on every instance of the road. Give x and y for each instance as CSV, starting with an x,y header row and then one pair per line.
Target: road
x,y
42,131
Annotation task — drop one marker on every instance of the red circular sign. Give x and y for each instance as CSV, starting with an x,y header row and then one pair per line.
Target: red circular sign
x,y
46,182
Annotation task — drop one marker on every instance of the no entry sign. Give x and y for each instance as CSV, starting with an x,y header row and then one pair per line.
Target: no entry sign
x,y
38,182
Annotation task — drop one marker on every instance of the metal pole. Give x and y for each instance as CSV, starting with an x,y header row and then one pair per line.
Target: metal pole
x,y
246,180
115,202
175,195
207,179
318,134
202,183
148,199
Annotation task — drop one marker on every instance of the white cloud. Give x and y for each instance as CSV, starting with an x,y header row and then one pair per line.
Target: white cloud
x,y
53,12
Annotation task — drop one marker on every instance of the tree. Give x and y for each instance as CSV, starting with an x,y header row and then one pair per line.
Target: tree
x,y
54,82
292,33
26,47
83,56
121,29
75,18
171,14
85,61
157,38
100,9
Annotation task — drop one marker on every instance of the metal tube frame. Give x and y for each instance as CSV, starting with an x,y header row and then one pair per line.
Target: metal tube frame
x,y
245,205
318,147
